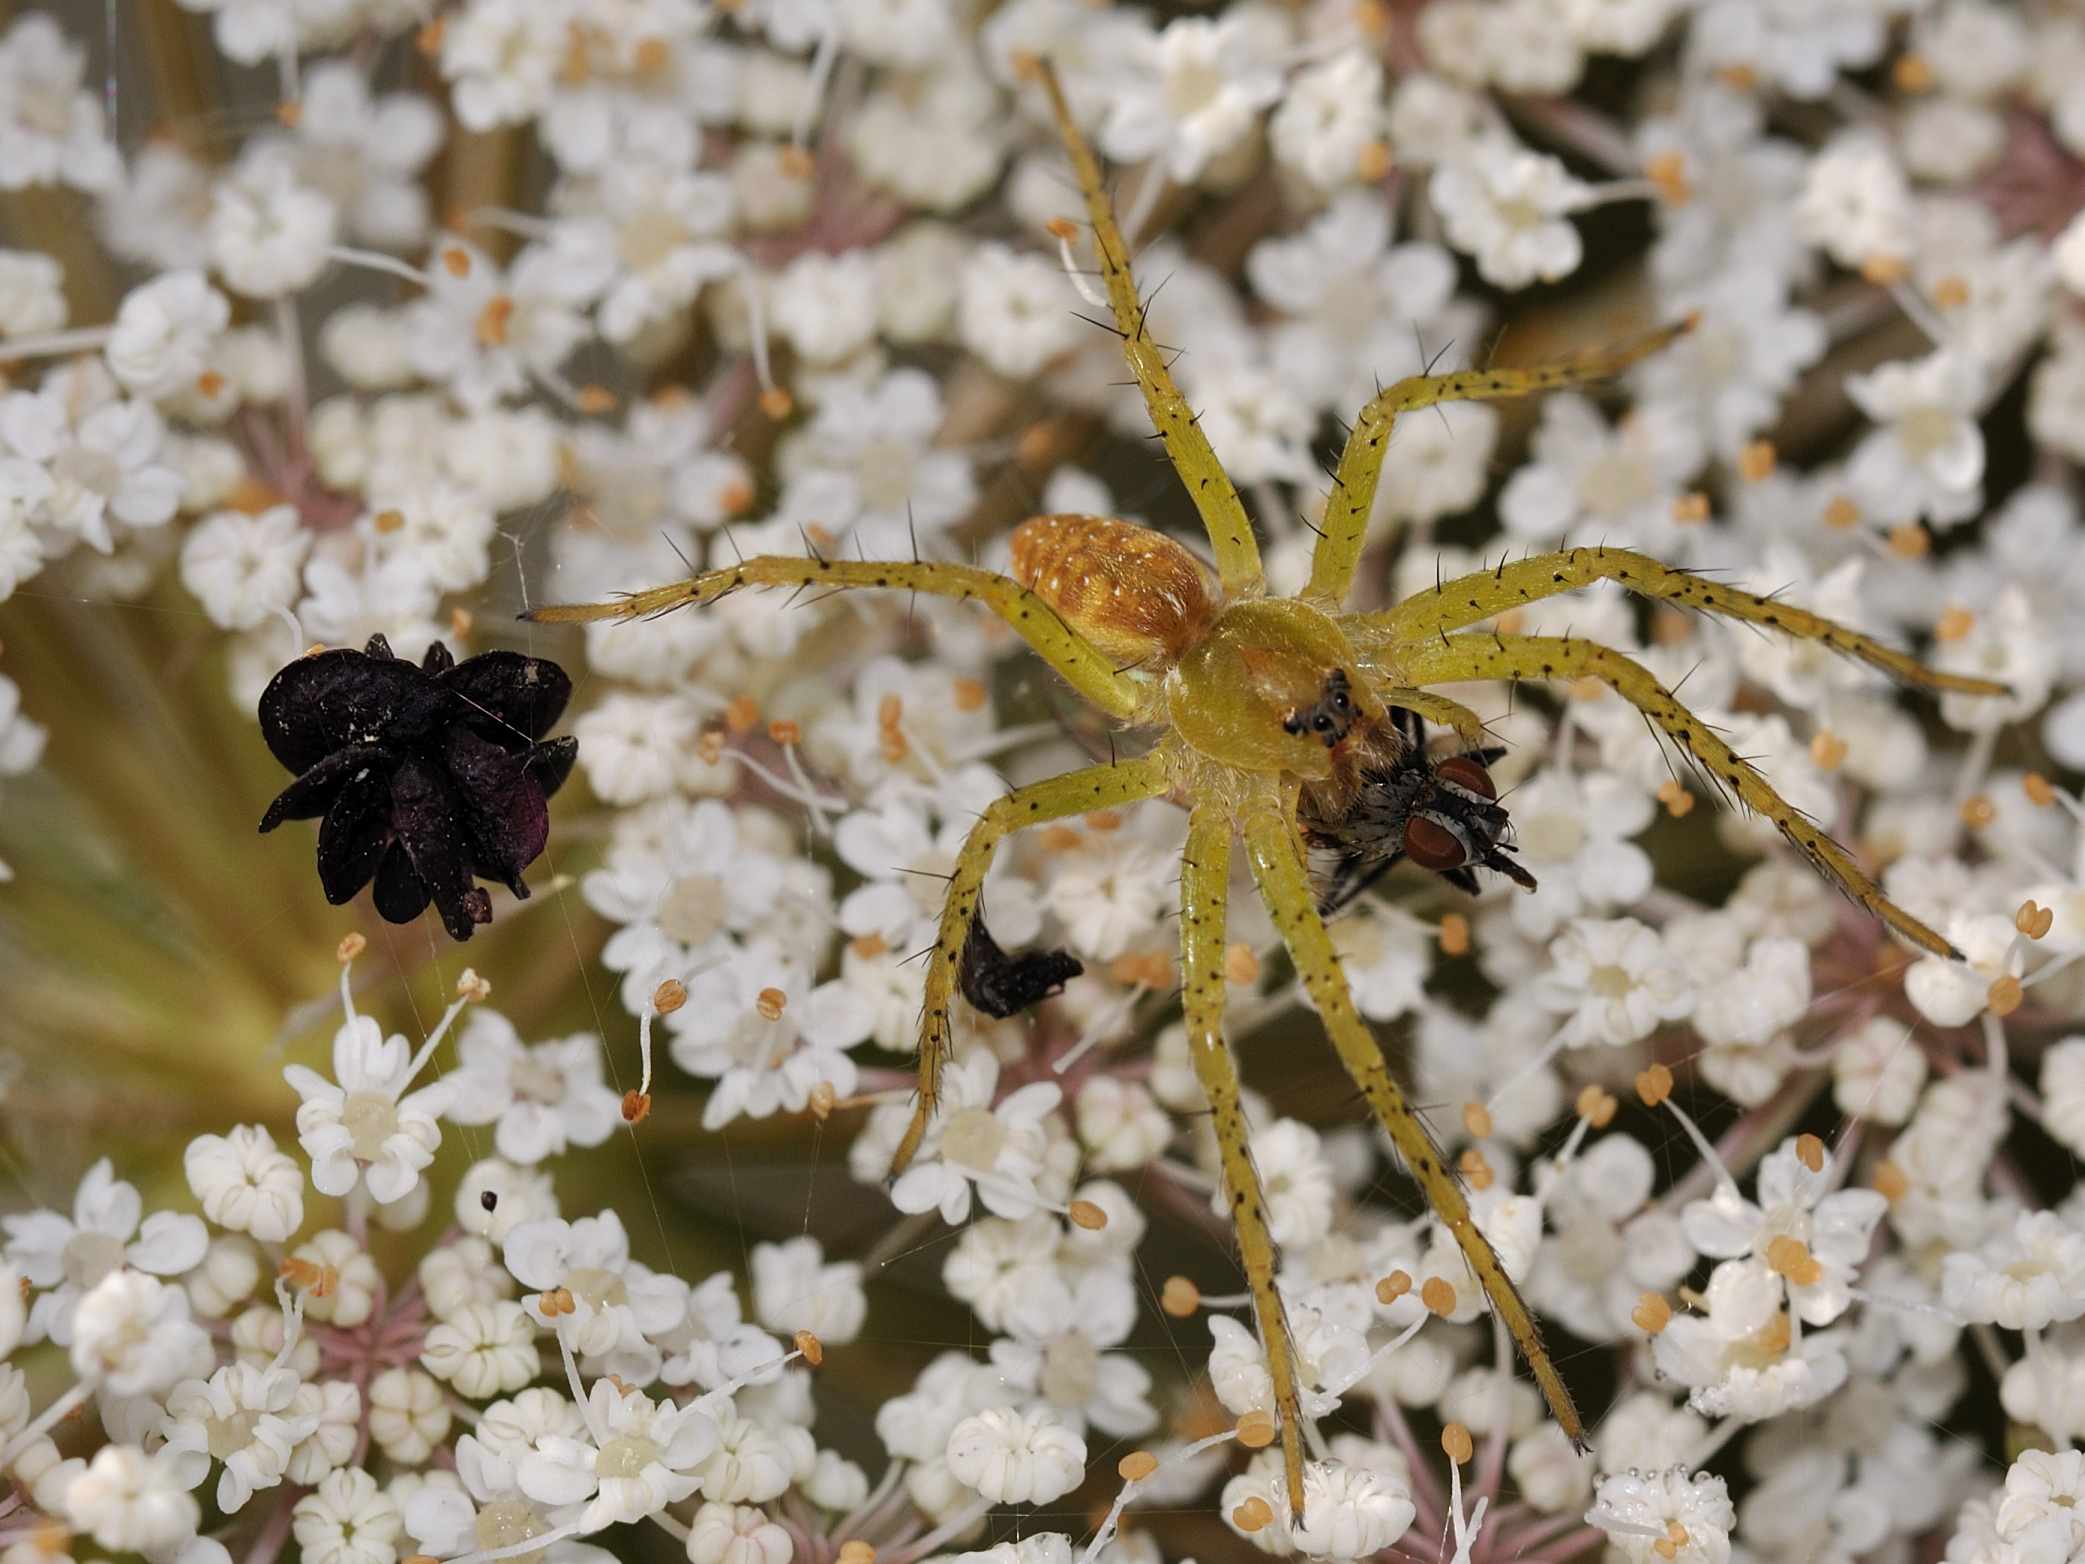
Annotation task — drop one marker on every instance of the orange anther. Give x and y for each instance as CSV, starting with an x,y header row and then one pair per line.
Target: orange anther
x,y
1888,1181
1653,1084
1455,935
1476,1172
1668,171
1255,1514
1652,1313
1180,1297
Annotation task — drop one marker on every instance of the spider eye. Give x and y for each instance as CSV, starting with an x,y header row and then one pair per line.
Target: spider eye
x,y
1322,723
1292,723
1466,772
1431,845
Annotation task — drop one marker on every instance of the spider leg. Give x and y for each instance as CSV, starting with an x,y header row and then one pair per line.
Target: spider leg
x,y
1353,495
1425,616
1223,516
1084,667
1205,875
1449,659
1278,867
1073,793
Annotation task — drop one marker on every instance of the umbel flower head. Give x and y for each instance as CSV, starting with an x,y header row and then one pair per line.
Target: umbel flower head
x,y
426,777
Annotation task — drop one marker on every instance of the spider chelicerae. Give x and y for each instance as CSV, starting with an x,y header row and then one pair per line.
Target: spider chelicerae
x,y
1290,725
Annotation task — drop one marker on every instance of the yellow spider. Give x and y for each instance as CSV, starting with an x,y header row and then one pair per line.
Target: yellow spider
x,y
1274,724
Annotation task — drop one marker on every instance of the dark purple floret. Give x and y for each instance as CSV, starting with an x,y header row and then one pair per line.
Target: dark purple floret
x,y
423,778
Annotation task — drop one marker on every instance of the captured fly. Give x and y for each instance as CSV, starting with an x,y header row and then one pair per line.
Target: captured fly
x,y
1401,802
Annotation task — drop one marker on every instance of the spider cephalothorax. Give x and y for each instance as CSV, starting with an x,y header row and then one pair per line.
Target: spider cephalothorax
x,y
1397,802
1271,718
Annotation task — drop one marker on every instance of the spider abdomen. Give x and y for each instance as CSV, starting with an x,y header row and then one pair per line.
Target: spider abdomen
x,y
1134,593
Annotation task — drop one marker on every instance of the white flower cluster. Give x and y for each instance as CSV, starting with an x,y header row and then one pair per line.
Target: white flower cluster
x,y
431,1379
797,274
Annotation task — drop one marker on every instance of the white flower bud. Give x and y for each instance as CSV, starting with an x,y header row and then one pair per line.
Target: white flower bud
x,y
408,1414
230,1271
1013,1457
727,1534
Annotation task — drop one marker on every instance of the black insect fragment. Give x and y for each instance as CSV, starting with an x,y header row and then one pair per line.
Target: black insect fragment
x,y
424,777
1001,985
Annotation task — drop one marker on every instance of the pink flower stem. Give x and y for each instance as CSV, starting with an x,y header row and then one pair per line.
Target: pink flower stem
x,y
1512,1544
1571,1547
267,1545
1426,1488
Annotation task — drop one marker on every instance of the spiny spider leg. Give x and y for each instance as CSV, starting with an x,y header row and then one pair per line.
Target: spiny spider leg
x,y
1353,496
1085,668
1449,659
1284,881
1467,599
1231,541
1205,874
1074,793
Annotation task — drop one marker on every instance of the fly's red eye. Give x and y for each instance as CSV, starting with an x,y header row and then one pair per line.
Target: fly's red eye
x,y
1466,772
1432,845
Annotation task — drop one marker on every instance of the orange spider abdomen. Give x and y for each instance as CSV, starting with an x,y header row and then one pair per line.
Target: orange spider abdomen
x,y
1134,593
